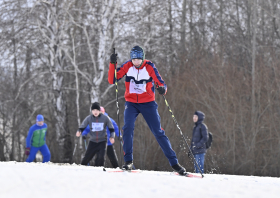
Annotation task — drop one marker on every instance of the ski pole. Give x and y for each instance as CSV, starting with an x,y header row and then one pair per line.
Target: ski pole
x,y
181,133
74,152
85,144
117,103
86,147
74,149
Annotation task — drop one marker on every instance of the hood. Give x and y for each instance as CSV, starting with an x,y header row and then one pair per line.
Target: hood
x,y
200,115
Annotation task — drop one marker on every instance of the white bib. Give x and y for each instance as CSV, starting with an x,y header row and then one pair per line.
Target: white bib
x,y
137,88
97,126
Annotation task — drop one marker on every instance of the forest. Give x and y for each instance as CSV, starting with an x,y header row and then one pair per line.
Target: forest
x,y
217,56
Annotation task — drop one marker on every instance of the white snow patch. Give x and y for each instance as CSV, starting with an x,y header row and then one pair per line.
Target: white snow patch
x,y
18,179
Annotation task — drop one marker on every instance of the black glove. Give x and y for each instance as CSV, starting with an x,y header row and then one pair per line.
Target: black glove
x,y
84,137
113,58
161,90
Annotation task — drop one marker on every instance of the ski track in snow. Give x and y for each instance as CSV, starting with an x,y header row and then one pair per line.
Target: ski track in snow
x,y
20,180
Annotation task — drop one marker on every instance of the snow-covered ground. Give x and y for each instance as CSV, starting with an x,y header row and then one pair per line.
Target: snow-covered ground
x,y
19,180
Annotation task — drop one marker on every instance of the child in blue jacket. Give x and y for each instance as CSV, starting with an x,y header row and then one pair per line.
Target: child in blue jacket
x,y
36,141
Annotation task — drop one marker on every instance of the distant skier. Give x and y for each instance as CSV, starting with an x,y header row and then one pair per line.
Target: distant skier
x,y
36,141
98,135
111,153
141,79
199,139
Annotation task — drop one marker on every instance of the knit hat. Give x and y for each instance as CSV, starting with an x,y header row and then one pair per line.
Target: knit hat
x,y
95,105
137,52
102,109
39,118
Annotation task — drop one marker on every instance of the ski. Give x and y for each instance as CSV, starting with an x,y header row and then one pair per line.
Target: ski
x,y
188,174
122,171
192,175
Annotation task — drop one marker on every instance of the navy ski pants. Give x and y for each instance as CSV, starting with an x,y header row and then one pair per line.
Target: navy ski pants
x,y
150,114
44,151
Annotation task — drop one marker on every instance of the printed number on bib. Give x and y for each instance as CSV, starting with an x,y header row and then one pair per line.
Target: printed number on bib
x,y
97,126
137,88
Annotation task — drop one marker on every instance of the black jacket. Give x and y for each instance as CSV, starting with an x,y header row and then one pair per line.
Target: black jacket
x,y
200,135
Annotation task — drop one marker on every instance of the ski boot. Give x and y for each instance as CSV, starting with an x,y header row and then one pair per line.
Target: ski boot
x,y
179,169
127,166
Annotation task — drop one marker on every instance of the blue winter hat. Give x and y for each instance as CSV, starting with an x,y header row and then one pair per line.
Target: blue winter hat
x,y
39,118
137,52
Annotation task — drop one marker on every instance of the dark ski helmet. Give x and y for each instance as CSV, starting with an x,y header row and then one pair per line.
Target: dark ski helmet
x,y
137,52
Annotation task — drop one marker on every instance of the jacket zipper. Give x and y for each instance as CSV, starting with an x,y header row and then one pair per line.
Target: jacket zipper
x,y
96,119
135,83
39,138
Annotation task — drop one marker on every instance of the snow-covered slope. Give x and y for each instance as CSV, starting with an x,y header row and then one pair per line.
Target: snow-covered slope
x,y
19,180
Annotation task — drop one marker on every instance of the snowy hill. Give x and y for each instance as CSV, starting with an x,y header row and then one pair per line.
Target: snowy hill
x,y
20,180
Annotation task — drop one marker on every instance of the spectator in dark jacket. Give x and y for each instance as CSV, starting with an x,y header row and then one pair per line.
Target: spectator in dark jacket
x,y
199,139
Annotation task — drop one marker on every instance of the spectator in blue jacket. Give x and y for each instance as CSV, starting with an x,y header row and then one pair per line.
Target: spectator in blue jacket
x,y
36,141
111,153
199,139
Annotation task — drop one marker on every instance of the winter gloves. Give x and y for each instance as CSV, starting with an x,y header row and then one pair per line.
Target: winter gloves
x,y
161,90
84,137
27,151
113,58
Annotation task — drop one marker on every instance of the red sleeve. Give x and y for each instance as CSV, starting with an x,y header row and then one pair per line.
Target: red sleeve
x,y
120,72
111,73
153,72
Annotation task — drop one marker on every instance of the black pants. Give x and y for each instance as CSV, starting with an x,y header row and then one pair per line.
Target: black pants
x,y
111,153
94,148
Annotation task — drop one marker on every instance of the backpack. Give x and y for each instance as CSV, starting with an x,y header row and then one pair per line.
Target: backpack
x,y
209,139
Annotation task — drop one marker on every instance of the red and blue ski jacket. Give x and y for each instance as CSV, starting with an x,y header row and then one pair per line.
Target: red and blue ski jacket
x,y
139,82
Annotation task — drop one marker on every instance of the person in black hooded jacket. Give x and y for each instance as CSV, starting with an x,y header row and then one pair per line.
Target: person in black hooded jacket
x,y
199,139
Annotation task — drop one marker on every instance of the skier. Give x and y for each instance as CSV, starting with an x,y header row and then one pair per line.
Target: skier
x,y
141,78
111,153
36,141
98,135
199,139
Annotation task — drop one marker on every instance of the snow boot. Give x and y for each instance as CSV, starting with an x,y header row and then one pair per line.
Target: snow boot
x,y
179,169
128,166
